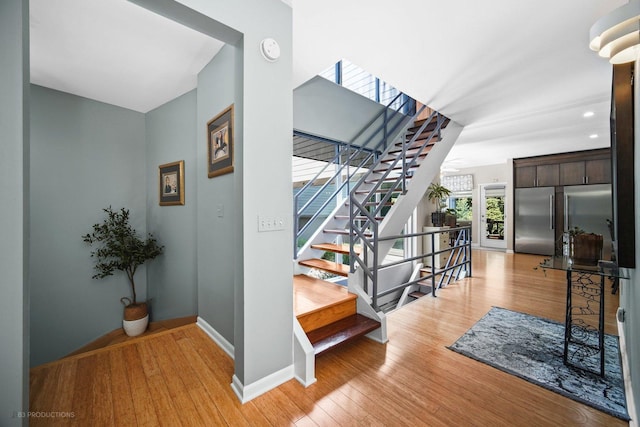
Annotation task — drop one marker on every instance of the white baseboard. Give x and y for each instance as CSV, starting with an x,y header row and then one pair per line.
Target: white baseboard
x,y
628,388
247,392
216,337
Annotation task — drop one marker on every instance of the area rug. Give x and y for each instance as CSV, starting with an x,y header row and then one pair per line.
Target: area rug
x,y
531,348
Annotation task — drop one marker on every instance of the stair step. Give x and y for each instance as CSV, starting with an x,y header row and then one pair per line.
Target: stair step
x,y
429,128
329,266
418,294
393,158
416,145
318,303
387,179
332,247
341,332
397,168
380,190
411,151
359,218
344,232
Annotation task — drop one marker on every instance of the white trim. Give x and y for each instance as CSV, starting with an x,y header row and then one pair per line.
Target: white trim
x,y
216,337
248,392
628,388
484,242
304,357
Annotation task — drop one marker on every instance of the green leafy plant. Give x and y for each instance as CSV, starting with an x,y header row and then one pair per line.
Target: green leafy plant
x,y
119,247
576,231
436,193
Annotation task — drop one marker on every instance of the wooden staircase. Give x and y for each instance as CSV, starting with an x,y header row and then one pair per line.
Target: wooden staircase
x,y
326,311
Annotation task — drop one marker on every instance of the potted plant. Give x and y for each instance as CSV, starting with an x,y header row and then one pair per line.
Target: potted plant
x,y
436,193
584,248
120,248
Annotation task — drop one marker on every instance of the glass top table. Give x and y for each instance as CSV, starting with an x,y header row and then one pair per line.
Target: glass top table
x,y
603,267
584,321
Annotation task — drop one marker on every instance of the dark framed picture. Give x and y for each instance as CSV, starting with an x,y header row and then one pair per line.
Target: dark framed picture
x,y
220,143
171,183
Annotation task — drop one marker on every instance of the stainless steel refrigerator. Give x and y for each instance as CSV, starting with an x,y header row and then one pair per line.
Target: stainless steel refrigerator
x,y
589,207
535,220
585,206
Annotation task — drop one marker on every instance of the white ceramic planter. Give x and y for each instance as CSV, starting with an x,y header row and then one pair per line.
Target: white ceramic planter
x,y
135,327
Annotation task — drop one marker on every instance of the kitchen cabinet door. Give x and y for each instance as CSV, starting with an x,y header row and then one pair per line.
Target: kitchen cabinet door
x,y
547,175
598,171
525,176
572,173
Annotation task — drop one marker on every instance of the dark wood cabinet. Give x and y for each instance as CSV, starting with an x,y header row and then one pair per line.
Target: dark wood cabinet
x,y
596,171
572,173
547,175
579,168
525,176
537,176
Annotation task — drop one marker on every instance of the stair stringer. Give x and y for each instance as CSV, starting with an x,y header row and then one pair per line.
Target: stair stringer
x,y
364,307
429,169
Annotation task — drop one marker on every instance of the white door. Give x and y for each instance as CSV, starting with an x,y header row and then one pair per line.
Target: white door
x,y
492,215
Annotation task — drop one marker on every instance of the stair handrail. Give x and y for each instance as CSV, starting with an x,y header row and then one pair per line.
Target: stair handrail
x,y
463,243
359,210
363,147
298,212
393,188
355,212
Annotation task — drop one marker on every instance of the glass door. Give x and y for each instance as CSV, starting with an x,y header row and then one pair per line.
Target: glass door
x,y
492,215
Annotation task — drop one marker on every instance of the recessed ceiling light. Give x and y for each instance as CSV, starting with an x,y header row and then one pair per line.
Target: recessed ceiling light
x,y
593,136
588,114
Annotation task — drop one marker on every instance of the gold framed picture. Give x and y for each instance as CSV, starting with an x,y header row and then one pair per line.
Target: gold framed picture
x,y
171,183
220,143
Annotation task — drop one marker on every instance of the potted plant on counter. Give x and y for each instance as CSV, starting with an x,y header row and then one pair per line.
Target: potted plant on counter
x,y
584,248
120,248
436,193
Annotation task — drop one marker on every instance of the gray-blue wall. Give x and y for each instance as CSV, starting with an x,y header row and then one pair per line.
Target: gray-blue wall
x,y
14,211
172,278
85,156
218,237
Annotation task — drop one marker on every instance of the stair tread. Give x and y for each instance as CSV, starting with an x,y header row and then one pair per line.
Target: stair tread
x,y
418,294
330,266
341,332
411,151
344,232
387,179
395,153
397,168
332,247
361,218
311,295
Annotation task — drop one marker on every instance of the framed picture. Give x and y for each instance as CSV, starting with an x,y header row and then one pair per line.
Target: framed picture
x,y
220,143
171,183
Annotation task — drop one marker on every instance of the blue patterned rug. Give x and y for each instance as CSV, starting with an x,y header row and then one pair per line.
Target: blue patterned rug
x,y
531,348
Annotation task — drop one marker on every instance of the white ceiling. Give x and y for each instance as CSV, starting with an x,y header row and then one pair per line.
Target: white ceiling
x,y
115,52
518,74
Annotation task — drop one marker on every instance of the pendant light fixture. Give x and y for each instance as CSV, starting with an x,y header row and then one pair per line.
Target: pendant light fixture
x,y
616,36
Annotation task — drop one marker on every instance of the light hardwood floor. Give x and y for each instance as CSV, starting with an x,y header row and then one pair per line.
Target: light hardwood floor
x,y
179,377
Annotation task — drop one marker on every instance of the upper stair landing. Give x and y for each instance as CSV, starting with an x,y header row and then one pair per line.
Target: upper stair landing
x,y
325,109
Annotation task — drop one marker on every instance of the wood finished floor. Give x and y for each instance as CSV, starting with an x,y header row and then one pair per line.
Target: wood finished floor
x,y
179,377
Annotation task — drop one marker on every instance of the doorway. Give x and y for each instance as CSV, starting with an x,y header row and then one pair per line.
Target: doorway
x,y
492,215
